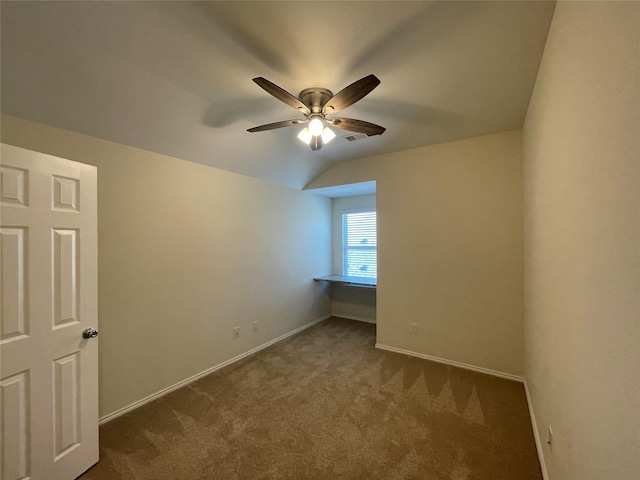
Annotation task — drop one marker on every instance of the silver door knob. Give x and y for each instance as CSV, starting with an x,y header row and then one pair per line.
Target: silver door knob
x,y
90,333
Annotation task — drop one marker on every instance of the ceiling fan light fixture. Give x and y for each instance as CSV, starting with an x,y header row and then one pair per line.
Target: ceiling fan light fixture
x,y
327,135
305,136
315,125
316,104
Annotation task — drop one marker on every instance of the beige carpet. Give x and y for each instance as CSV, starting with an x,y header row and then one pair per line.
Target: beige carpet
x,y
325,404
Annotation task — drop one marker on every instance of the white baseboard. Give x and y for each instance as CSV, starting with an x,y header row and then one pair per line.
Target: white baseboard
x,y
353,317
488,371
508,376
536,434
195,377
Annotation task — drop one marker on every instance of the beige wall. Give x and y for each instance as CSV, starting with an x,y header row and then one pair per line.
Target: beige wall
x,y
187,252
349,302
582,167
449,248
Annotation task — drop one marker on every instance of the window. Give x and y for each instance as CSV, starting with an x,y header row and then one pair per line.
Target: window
x,y
359,245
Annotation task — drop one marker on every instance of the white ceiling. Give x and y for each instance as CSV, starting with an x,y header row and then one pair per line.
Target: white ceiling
x,y
175,77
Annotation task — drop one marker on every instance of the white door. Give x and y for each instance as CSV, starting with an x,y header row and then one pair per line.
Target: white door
x,y
48,370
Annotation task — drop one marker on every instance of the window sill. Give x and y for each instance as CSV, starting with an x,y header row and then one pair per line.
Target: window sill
x,y
360,282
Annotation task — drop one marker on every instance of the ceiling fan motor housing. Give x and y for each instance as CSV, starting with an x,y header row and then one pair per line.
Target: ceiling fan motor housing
x,y
315,98
318,104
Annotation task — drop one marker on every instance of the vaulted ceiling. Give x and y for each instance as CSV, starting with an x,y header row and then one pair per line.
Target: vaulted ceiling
x,y
175,77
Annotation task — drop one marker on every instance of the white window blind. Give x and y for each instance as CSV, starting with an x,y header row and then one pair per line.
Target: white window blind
x,y
359,244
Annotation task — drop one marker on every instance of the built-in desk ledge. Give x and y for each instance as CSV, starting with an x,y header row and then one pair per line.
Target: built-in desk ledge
x,y
361,282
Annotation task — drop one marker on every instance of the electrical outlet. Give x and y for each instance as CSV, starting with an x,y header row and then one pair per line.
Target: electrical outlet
x,y
549,435
414,328
255,325
236,332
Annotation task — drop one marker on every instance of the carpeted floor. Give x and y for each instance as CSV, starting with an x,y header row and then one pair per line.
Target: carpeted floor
x,y
325,404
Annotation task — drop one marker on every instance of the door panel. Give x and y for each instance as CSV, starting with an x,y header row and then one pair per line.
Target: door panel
x,y
48,371
14,302
15,425
65,276
66,405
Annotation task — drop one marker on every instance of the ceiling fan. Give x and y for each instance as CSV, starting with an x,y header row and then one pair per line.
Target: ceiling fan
x,y
318,106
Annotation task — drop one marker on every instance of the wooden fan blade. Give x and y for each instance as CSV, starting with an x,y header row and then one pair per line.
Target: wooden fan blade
x,y
281,94
271,126
359,126
316,143
351,94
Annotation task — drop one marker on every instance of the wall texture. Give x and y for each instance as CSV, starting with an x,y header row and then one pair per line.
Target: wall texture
x,y
187,252
450,252
582,284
